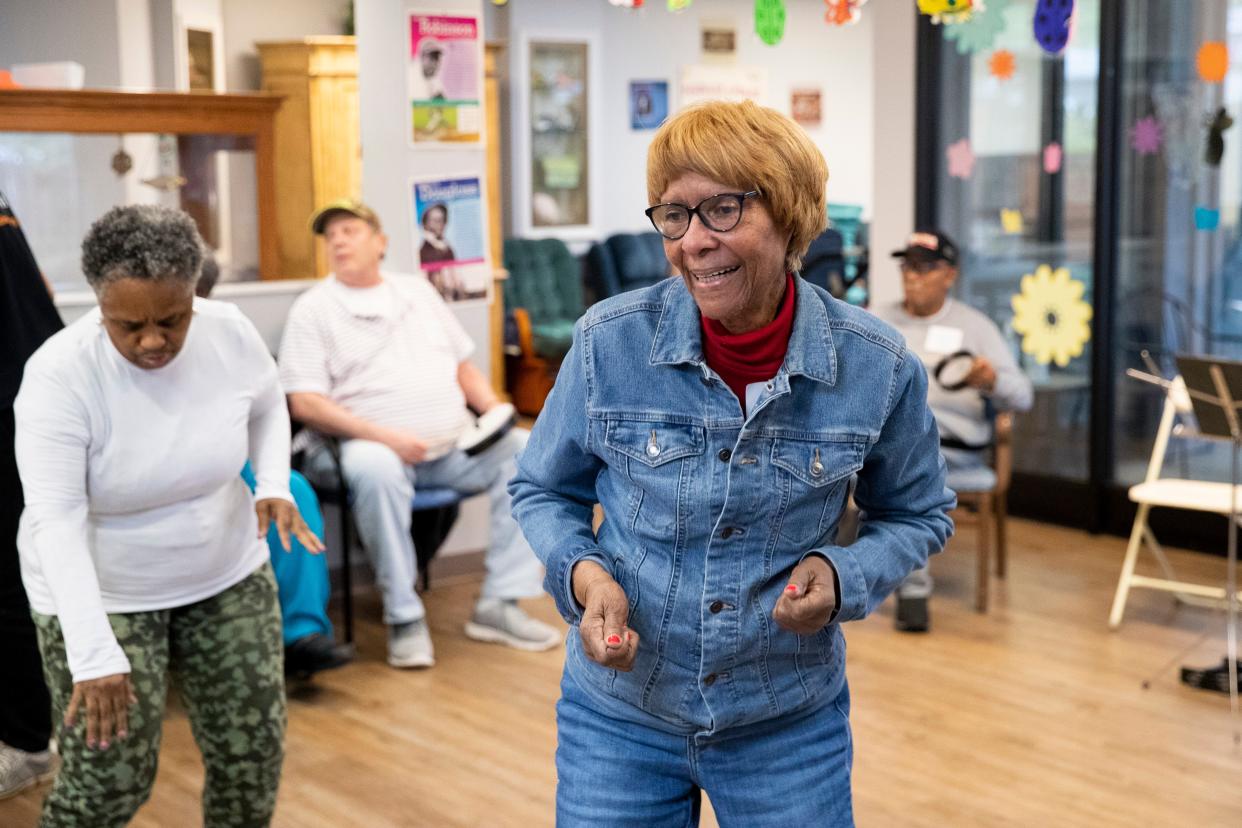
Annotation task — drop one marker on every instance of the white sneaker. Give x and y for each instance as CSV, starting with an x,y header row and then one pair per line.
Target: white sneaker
x,y
409,645
21,771
503,622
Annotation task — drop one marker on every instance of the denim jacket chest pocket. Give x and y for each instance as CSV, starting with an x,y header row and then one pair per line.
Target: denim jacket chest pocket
x,y
813,477
658,459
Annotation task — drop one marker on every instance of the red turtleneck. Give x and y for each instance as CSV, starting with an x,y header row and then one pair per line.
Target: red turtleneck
x,y
755,356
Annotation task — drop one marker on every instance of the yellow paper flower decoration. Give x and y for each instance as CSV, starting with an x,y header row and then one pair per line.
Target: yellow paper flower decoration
x,y
1051,316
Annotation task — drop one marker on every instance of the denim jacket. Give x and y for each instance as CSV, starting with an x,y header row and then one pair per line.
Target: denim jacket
x,y
707,511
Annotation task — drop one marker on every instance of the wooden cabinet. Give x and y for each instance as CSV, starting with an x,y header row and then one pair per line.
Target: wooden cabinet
x,y
318,141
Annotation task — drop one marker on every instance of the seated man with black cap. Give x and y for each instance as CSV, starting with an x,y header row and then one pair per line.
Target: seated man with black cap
x,y
974,376
378,360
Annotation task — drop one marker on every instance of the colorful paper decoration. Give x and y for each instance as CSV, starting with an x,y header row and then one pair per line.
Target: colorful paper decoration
x,y
1051,315
1213,61
629,4
500,2
1001,64
961,158
770,20
1207,218
978,33
1216,124
1146,135
1011,221
948,11
1053,156
676,6
843,12
1052,24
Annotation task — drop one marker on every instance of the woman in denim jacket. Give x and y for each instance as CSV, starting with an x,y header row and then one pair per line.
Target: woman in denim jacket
x,y
719,418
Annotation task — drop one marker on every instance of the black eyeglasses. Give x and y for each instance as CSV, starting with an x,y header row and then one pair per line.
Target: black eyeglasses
x,y
720,212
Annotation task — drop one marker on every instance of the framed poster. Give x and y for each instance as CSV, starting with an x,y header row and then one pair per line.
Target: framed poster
x,y
648,104
444,79
450,234
805,107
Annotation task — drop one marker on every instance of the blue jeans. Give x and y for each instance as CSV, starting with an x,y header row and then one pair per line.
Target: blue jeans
x,y
788,771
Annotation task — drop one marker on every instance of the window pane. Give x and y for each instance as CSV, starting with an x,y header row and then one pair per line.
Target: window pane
x,y
1048,216
1177,286
558,124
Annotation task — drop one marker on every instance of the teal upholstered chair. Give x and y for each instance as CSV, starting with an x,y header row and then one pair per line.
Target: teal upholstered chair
x,y
544,285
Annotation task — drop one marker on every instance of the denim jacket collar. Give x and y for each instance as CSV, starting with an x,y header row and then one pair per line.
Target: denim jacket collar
x,y
679,337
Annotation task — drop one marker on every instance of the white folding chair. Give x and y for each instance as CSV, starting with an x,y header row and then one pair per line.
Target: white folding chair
x,y
1192,495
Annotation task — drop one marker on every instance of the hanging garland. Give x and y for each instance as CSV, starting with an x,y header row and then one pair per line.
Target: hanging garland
x,y
843,12
770,20
949,11
978,33
1052,24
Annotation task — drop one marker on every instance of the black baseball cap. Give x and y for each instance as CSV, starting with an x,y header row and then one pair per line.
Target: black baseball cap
x,y
929,245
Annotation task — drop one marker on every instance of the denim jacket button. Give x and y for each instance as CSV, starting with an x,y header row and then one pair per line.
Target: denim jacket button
x,y
817,468
770,386
724,455
709,679
716,606
727,533
653,450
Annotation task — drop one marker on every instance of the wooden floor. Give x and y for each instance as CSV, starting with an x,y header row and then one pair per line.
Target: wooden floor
x,y
1033,715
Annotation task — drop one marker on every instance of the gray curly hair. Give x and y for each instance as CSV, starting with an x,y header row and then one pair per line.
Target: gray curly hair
x,y
142,241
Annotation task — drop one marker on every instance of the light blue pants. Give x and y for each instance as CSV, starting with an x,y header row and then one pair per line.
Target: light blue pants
x,y
786,772
382,488
965,471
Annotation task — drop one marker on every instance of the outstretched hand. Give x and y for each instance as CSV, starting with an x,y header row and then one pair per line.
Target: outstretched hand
x,y
808,600
288,522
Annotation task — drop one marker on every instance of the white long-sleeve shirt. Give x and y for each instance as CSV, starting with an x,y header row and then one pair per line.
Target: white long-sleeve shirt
x,y
134,498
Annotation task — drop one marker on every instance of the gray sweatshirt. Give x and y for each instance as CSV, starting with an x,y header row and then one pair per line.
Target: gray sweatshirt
x,y
958,327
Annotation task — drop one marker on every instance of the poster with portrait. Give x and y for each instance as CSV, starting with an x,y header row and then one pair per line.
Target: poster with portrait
x,y
450,236
648,104
444,79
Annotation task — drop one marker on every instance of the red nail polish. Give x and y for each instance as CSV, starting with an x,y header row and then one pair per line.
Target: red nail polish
x,y
791,588
614,639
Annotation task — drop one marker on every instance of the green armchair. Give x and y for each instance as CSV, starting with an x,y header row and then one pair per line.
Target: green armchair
x,y
545,281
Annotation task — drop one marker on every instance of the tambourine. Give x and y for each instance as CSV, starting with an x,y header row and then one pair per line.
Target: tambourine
x,y
952,371
494,424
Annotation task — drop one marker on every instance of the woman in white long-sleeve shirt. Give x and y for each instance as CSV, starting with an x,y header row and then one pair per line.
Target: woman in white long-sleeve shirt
x,y
141,546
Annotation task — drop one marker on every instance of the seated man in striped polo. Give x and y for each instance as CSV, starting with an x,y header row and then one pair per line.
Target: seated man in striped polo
x,y
378,360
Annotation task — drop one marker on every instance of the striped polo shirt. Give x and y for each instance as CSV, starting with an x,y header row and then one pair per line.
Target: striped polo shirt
x,y
388,354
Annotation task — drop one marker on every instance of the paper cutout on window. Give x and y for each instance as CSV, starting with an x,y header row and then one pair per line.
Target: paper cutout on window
x,y
1052,158
1207,218
1147,135
948,11
629,4
676,6
1213,61
978,33
770,20
1011,221
843,12
961,158
1051,315
1215,149
1053,22
1001,64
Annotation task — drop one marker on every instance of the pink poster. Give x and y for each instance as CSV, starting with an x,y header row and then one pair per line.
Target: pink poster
x,y
443,79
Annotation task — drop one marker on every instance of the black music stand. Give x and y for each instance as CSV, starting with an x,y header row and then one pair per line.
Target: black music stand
x,y
1215,388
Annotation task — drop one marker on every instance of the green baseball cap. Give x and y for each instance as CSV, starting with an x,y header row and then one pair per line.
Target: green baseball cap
x,y
349,206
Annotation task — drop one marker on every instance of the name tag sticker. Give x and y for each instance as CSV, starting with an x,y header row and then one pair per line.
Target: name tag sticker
x,y
943,340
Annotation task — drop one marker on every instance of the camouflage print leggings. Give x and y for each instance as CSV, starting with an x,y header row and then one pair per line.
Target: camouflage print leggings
x,y
226,657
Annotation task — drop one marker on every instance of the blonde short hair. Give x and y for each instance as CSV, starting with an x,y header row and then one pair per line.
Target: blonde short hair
x,y
750,147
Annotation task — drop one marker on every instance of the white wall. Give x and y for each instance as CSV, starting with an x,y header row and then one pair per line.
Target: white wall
x,y
247,22
389,161
893,67
652,44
